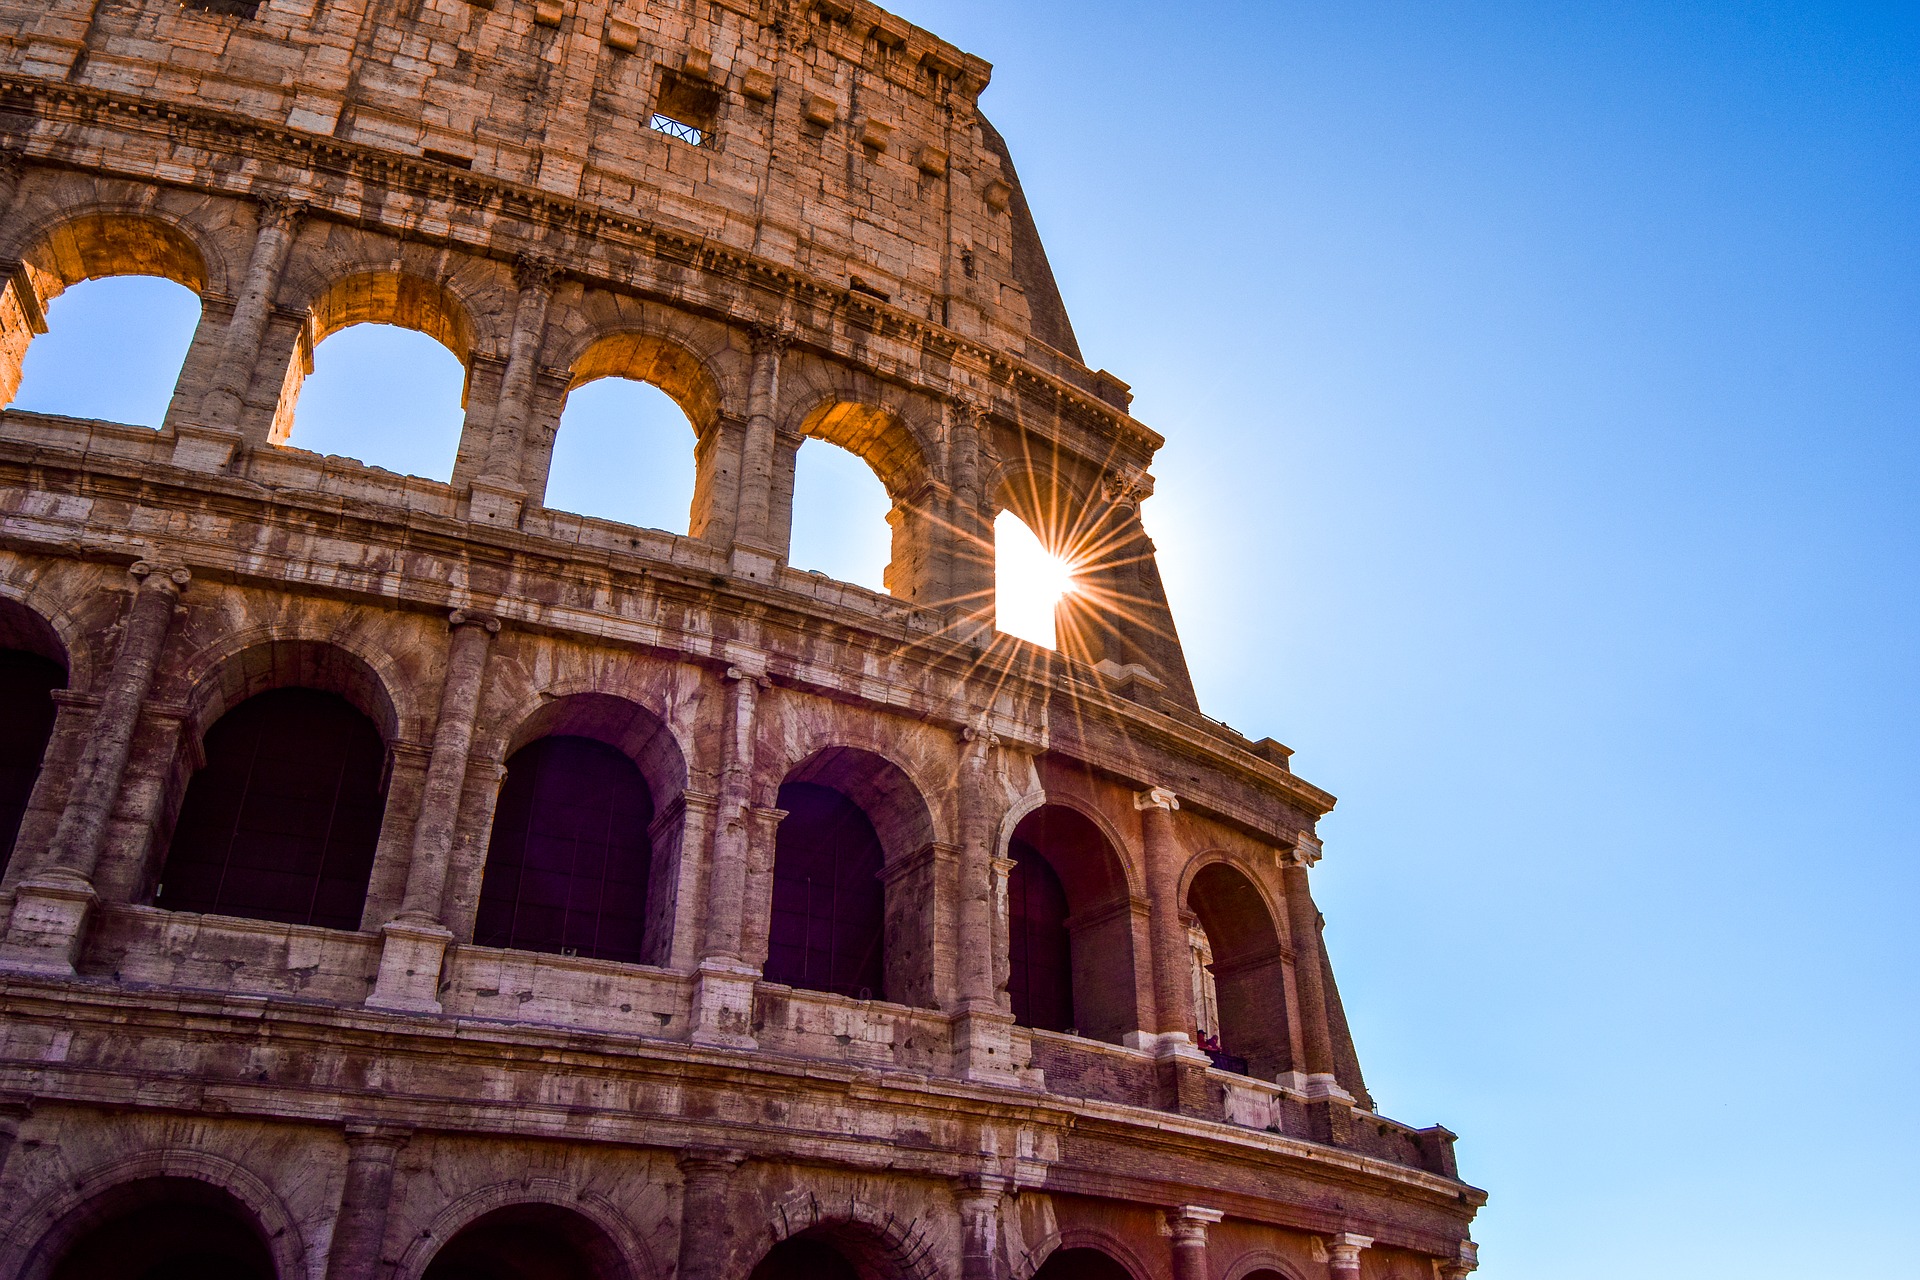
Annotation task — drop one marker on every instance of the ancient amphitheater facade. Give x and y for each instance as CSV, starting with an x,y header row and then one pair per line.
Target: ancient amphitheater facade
x,y
407,879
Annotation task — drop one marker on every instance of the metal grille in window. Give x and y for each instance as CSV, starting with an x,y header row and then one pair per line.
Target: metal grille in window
x,y
568,866
829,906
282,820
674,129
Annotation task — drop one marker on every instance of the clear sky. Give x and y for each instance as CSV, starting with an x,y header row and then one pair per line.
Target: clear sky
x,y
1540,384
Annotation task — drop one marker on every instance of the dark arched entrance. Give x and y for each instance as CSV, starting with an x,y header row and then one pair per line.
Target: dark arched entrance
x,y
282,821
568,867
829,907
1081,1264
165,1229
802,1258
1040,968
1070,928
27,682
528,1242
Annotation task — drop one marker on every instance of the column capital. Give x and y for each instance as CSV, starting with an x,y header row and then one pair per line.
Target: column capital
x,y
534,271
1156,798
1344,1250
770,337
1463,1263
1306,851
709,1162
368,1133
465,618
281,210
151,573
1127,487
1189,1222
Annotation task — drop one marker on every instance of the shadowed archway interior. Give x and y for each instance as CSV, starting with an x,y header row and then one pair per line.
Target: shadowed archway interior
x,y
1081,1264
528,1242
829,906
27,682
165,1229
570,860
282,821
1040,963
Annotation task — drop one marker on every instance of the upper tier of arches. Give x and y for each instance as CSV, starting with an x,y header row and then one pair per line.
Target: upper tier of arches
x,y
277,280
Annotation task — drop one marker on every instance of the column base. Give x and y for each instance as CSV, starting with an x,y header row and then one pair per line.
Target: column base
x,y
50,913
411,955
491,500
209,449
983,1047
753,563
723,1004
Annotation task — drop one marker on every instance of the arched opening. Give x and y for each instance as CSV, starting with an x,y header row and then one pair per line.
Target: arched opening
x,y
841,517
1081,1264
113,350
282,820
1029,581
804,1258
1090,934
571,855
386,396
529,1242
1040,972
828,929
162,1229
853,881
31,668
1238,963
623,451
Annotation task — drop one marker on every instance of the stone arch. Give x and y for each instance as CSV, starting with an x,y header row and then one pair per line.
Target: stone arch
x,y
853,890
1099,921
396,298
1251,1263
25,628
1083,1237
666,361
33,669
41,1236
219,678
643,835
96,240
61,623
875,1243
1243,931
621,1251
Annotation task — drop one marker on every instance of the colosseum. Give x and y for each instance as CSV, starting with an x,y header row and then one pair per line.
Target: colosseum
x,y
405,879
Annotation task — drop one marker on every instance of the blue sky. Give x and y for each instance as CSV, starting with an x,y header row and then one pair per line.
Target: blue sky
x,y
1540,385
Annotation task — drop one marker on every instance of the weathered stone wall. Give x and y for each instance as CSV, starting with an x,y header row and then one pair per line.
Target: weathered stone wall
x,y
843,258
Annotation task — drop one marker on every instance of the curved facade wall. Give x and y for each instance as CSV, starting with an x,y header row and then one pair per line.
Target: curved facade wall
x,y
835,248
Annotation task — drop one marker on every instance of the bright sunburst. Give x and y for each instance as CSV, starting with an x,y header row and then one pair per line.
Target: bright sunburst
x,y
1029,581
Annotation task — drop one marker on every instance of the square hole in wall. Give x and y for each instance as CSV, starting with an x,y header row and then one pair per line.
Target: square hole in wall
x,y
686,109
225,8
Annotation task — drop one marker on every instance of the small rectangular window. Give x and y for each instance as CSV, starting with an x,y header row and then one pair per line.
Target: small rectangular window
x,y
686,109
225,8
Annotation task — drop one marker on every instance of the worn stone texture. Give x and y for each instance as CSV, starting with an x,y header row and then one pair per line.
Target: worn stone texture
x,y
845,255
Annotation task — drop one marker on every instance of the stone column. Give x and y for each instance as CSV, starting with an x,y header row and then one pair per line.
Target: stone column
x,y
969,571
1329,1107
1343,1255
757,546
706,1221
982,1030
1188,1226
14,1110
723,991
220,408
50,907
1172,963
361,1226
415,942
498,495
979,1196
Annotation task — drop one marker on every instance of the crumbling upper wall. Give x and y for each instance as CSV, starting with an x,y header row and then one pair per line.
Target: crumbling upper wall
x,y
839,140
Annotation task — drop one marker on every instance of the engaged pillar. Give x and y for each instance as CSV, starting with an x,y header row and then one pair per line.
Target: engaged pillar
x,y
361,1226
1343,1255
1188,1226
723,989
706,1225
51,906
414,943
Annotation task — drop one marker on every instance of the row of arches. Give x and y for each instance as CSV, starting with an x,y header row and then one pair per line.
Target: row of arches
x,y
281,819
172,1227
119,299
